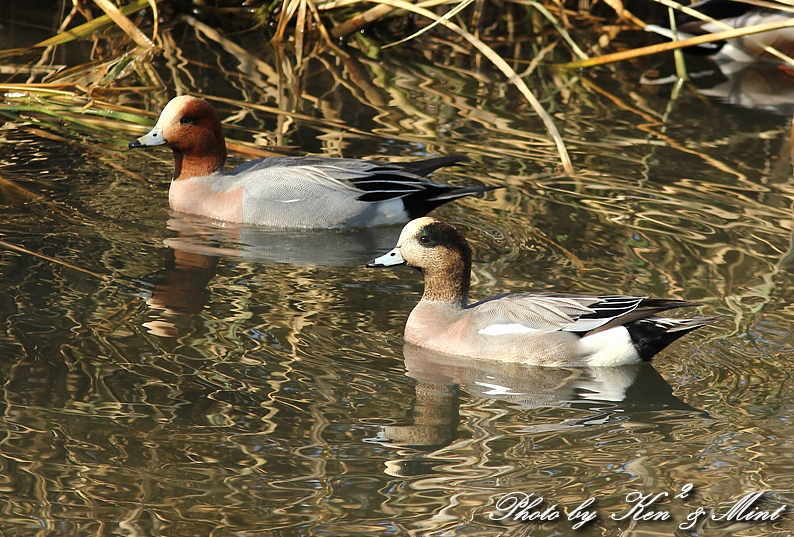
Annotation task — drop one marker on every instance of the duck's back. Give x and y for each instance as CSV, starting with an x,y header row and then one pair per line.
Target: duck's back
x,y
315,192
311,193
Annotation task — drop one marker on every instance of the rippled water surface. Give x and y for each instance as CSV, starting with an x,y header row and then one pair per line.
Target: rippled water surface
x,y
167,375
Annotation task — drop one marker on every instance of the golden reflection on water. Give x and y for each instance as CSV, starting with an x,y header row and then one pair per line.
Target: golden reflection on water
x,y
206,379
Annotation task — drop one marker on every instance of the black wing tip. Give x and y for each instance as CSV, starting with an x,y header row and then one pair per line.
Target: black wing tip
x,y
662,304
428,166
452,159
447,160
687,325
454,192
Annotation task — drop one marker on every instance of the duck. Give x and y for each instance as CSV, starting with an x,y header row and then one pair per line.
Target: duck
x,y
543,329
290,192
735,14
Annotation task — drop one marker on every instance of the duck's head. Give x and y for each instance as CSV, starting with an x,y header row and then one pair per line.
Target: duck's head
x,y
427,244
191,128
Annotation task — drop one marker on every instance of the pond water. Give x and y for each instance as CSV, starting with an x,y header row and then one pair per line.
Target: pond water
x,y
167,375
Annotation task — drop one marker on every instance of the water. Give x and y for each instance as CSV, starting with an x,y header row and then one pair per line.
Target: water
x,y
165,375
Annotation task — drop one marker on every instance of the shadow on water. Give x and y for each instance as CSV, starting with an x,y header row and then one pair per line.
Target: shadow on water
x,y
612,393
309,247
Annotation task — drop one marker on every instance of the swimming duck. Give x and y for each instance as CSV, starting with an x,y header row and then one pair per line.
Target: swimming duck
x,y
735,14
546,329
294,192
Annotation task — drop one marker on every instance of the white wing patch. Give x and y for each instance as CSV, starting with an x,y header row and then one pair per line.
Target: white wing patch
x,y
585,325
501,329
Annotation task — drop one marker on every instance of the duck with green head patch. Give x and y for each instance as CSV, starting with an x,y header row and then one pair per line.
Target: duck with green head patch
x,y
549,329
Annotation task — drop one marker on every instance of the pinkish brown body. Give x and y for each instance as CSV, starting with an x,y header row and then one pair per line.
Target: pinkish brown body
x,y
545,329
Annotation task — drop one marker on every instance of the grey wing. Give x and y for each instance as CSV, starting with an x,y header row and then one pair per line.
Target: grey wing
x,y
284,183
534,311
371,181
310,197
551,311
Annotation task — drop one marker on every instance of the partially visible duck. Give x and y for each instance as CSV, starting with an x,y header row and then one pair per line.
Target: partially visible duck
x,y
736,14
545,329
294,192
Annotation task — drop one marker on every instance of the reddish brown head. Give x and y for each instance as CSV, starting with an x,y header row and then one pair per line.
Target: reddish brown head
x,y
192,129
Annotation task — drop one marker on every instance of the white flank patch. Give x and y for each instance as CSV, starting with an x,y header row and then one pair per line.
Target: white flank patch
x,y
501,329
609,348
291,201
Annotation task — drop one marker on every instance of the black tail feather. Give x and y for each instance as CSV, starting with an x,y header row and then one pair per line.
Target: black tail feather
x,y
421,203
652,334
455,193
404,180
428,166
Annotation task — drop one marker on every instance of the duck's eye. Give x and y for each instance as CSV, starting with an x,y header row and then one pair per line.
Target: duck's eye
x,y
187,120
424,239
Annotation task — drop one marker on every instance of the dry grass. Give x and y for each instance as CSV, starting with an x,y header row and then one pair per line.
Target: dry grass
x,y
126,40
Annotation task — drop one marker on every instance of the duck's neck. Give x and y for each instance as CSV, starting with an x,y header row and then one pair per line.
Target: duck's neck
x,y
448,283
188,166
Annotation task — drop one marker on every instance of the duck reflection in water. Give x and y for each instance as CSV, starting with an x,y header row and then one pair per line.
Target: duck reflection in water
x,y
739,71
756,86
199,244
607,393
749,48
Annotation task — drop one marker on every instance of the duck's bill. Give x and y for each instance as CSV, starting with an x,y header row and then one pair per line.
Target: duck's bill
x,y
387,260
153,137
